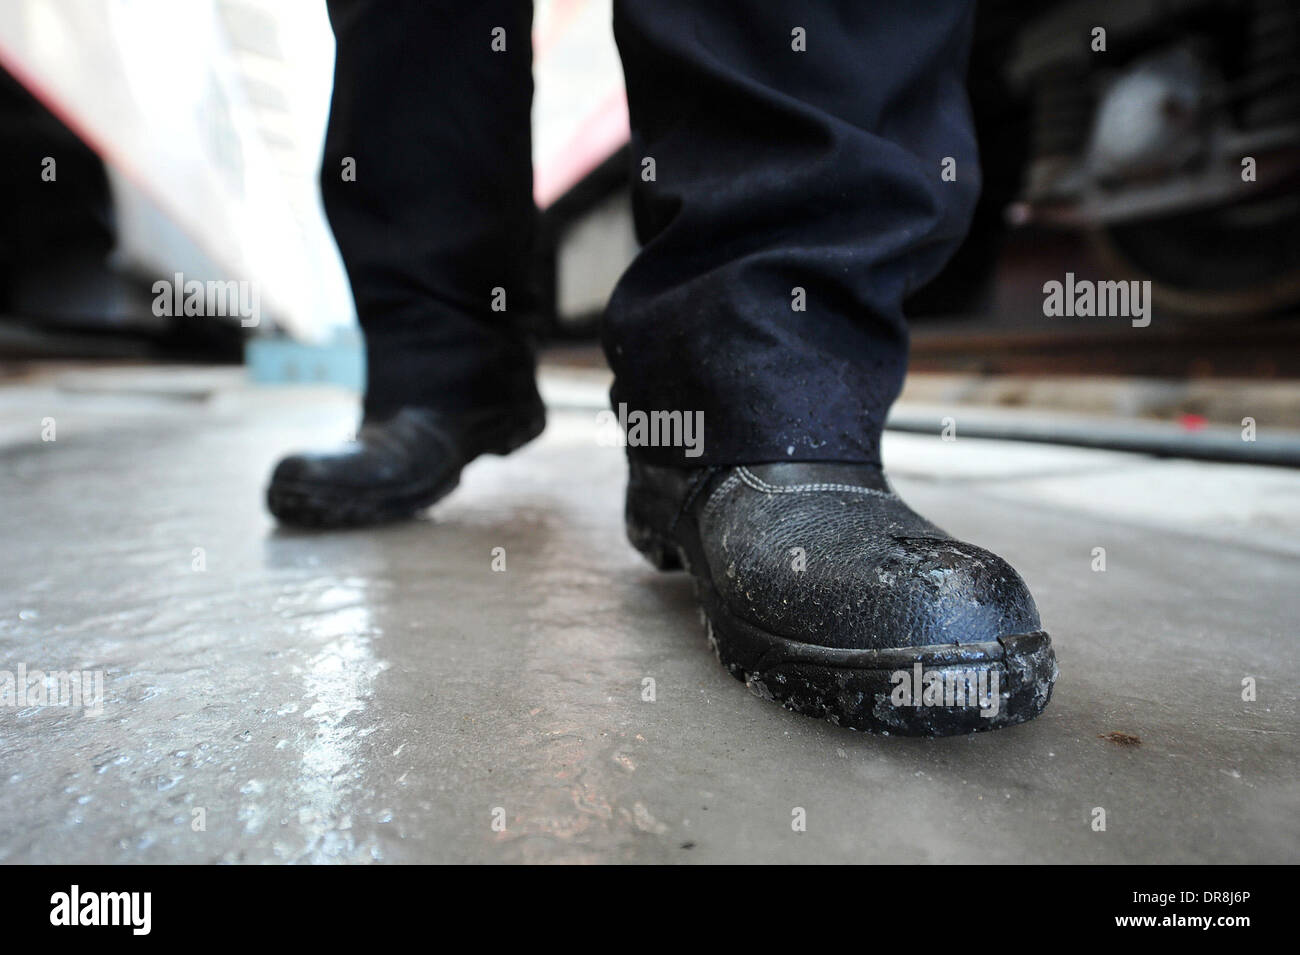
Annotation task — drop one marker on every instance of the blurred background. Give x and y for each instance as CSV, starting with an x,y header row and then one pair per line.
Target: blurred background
x,y
187,137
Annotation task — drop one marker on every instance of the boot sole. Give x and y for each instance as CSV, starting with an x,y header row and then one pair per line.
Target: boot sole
x,y
320,506
856,688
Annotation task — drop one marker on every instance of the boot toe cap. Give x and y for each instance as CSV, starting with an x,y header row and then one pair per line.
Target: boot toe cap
x,y
886,593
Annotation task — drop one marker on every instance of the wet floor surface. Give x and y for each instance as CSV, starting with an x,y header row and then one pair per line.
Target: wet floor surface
x,y
387,696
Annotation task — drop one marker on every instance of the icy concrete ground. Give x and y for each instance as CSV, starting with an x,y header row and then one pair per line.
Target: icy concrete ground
x,y
386,696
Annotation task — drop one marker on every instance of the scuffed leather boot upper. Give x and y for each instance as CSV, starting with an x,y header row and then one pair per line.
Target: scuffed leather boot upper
x,y
410,446
828,554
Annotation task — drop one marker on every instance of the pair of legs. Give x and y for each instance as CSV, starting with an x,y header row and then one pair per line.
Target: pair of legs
x,y
774,169
788,193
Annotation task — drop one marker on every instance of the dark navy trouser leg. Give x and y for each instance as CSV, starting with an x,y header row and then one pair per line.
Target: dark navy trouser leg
x,y
441,209
776,169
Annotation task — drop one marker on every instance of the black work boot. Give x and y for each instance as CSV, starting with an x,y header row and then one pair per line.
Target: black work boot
x,y
823,591
395,467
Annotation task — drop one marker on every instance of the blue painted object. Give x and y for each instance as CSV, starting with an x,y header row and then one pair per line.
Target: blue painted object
x,y
283,361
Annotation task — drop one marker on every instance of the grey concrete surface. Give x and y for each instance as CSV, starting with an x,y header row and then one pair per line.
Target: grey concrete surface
x,y
374,696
